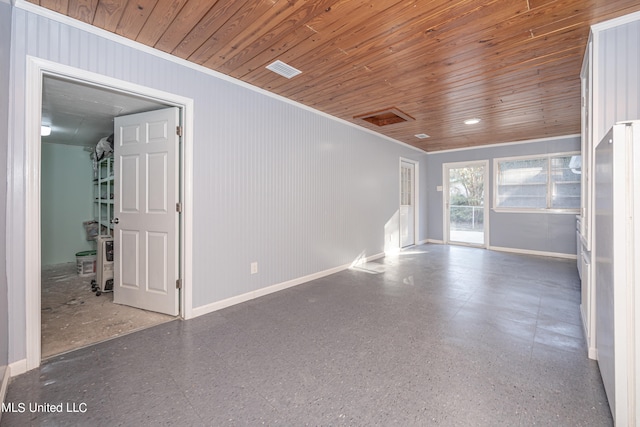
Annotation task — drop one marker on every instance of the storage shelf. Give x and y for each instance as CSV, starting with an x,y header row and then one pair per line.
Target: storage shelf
x,y
104,185
106,224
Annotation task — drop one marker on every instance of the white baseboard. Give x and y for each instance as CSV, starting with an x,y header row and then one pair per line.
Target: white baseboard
x,y
18,367
591,351
531,252
437,242
219,305
583,317
422,242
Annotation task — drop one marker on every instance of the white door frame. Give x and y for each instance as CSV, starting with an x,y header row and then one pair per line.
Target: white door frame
x,y
445,201
416,192
36,70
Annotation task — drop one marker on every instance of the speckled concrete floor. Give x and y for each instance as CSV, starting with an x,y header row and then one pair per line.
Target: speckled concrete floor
x,y
438,335
73,317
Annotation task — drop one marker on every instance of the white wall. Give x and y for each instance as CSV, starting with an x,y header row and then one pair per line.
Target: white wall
x,y
66,201
5,37
289,188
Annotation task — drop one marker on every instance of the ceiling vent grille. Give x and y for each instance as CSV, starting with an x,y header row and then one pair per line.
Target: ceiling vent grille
x,y
285,70
385,117
422,136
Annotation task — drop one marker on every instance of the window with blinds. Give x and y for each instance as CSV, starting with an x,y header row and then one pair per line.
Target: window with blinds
x,y
537,183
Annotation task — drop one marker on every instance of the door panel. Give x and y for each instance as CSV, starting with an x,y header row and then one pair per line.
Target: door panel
x,y
146,236
129,173
128,265
157,194
158,251
407,204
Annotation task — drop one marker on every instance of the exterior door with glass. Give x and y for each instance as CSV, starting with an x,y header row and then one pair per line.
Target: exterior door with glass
x,y
466,207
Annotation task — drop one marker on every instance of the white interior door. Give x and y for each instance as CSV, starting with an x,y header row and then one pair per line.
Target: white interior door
x,y
146,148
407,204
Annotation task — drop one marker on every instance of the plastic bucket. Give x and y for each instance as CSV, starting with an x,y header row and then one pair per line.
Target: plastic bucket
x,y
86,263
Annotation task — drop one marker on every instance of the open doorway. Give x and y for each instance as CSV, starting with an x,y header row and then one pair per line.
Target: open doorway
x,y
76,209
465,206
37,69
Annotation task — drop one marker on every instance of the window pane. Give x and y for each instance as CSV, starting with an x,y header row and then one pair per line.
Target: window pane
x,y
522,183
565,188
523,196
518,172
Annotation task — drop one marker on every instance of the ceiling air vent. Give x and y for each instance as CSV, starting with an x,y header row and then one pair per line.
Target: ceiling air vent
x,y
385,117
285,70
422,136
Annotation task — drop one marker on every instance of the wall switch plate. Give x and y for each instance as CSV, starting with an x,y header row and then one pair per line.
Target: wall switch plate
x,y
439,188
254,268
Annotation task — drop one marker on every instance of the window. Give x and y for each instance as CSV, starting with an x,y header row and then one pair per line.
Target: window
x,y
537,183
405,186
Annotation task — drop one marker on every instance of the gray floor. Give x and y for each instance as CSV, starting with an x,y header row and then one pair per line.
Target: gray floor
x,y
438,335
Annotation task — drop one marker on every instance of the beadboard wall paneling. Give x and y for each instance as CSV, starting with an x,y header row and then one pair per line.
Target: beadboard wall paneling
x,y
274,183
5,48
617,80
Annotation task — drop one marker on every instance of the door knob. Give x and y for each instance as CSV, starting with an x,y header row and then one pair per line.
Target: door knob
x,y
115,221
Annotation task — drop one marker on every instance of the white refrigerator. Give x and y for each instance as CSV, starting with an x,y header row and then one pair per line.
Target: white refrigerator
x,y
616,251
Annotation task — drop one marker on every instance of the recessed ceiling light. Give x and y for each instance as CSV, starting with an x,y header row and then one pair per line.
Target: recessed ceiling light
x,y
45,130
472,121
422,136
285,70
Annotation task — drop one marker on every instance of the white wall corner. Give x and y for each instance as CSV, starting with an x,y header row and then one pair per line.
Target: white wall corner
x,y
435,241
5,372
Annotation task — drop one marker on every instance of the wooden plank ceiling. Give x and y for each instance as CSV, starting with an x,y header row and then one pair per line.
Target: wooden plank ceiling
x,y
514,64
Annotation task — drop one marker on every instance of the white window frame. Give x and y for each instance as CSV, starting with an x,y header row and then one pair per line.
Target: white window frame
x,y
546,156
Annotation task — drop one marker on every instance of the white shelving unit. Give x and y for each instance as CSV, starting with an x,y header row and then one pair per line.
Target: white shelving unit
x,y
103,196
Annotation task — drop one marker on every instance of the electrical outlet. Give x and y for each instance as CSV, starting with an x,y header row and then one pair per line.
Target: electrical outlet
x,y
254,268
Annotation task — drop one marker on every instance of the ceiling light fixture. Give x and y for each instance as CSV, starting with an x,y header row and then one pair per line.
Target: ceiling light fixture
x,y
45,130
421,136
473,121
285,70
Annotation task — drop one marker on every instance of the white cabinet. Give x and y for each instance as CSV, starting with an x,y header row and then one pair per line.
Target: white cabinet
x,y
103,196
